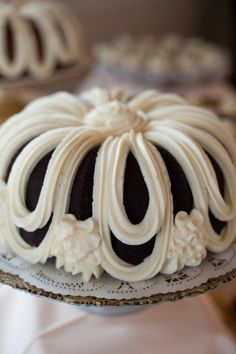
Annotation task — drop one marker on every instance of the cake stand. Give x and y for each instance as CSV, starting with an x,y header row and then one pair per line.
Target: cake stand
x,y
65,79
166,79
110,296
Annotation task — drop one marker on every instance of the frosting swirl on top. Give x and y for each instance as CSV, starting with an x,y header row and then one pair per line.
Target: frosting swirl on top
x,y
71,126
115,118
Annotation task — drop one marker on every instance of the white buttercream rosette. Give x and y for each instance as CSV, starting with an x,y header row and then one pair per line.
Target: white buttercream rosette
x,y
76,247
188,242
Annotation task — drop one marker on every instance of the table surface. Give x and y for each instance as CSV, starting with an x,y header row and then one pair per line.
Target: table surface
x,y
31,325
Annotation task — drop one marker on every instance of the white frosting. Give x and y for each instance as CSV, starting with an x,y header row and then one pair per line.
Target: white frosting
x,y
60,33
76,246
74,125
169,56
115,118
188,243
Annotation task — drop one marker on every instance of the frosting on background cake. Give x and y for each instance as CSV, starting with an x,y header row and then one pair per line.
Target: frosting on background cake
x,y
37,38
130,186
169,57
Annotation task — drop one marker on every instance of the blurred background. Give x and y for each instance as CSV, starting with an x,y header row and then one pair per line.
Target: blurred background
x,y
123,63
212,20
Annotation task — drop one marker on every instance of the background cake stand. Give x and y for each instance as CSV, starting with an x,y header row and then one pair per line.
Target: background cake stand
x,y
111,296
164,80
65,79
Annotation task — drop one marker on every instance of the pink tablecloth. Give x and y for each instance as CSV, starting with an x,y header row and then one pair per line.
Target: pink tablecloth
x,y
29,325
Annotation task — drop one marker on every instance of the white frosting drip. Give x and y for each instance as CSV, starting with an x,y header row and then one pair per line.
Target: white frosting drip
x,y
72,126
76,247
60,36
188,243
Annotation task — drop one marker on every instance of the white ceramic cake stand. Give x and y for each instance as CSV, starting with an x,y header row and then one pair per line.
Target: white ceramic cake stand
x,y
110,296
65,79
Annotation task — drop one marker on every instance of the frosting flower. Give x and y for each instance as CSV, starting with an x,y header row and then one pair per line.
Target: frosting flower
x,y
76,247
188,244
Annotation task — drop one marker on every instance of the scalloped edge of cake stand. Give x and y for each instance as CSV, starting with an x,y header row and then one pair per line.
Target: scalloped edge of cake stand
x,y
16,282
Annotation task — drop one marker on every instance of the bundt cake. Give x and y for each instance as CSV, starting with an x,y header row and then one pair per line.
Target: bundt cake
x,y
37,38
133,186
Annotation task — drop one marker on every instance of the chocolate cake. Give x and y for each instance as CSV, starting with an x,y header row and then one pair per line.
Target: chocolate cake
x,y
38,38
130,186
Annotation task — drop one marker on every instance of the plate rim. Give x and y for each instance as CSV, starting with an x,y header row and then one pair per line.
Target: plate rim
x,y
16,282
174,78
81,68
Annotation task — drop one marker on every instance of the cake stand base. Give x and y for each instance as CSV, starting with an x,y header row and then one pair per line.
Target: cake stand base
x,y
113,310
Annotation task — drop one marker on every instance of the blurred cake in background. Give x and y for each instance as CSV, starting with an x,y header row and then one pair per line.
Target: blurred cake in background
x,y
168,59
38,39
224,104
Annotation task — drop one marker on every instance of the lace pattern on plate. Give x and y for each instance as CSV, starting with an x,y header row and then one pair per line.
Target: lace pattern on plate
x,y
47,278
